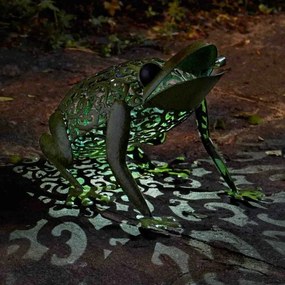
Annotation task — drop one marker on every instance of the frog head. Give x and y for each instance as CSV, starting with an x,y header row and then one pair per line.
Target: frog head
x,y
182,83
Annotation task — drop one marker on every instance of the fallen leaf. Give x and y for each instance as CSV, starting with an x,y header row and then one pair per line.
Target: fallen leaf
x,y
15,158
253,119
74,80
265,9
220,124
5,99
277,152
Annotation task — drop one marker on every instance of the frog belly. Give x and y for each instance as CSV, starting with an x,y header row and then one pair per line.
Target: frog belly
x,y
151,124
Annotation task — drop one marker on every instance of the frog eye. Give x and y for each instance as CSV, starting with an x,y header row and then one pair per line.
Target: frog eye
x,y
148,72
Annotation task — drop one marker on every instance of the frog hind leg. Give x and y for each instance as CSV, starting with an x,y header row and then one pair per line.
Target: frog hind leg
x,y
142,161
56,147
146,165
117,136
203,128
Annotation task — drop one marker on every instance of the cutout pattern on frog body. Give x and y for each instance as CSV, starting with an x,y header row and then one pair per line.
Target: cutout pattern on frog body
x,y
88,105
108,113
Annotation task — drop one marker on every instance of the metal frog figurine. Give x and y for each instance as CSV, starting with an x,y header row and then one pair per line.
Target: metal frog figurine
x,y
132,103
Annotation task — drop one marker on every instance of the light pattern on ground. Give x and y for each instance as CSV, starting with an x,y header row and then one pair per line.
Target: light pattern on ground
x,y
217,241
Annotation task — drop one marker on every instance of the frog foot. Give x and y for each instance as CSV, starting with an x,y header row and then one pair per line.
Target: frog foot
x,y
160,223
171,169
86,196
246,194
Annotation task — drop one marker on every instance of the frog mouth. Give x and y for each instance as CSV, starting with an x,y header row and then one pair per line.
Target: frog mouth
x,y
185,96
198,59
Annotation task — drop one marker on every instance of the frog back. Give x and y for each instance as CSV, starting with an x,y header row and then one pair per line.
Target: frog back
x,y
87,104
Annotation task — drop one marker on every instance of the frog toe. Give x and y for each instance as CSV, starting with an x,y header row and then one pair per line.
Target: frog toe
x,y
246,194
86,202
100,198
170,169
161,223
70,201
86,199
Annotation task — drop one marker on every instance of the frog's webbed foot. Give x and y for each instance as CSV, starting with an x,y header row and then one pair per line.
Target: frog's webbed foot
x,y
161,223
145,165
172,168
246,194
87,195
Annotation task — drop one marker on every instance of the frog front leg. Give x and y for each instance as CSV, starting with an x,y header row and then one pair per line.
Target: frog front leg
x,y
203,128
117,137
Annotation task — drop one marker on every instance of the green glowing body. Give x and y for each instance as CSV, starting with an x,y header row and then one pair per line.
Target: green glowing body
x,y
129,104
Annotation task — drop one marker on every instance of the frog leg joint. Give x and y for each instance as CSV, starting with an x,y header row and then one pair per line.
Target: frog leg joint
x,y
117,137
203,128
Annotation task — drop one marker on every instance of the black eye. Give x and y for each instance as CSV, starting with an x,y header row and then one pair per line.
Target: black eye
x,y
148,72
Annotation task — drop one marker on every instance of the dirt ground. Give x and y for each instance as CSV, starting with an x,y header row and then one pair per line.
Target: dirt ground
x,y
247,114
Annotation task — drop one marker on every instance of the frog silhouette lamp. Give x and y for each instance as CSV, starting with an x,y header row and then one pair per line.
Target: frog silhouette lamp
x,y
132,103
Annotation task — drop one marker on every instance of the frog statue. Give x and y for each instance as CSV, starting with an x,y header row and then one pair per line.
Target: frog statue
x,y
135,102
